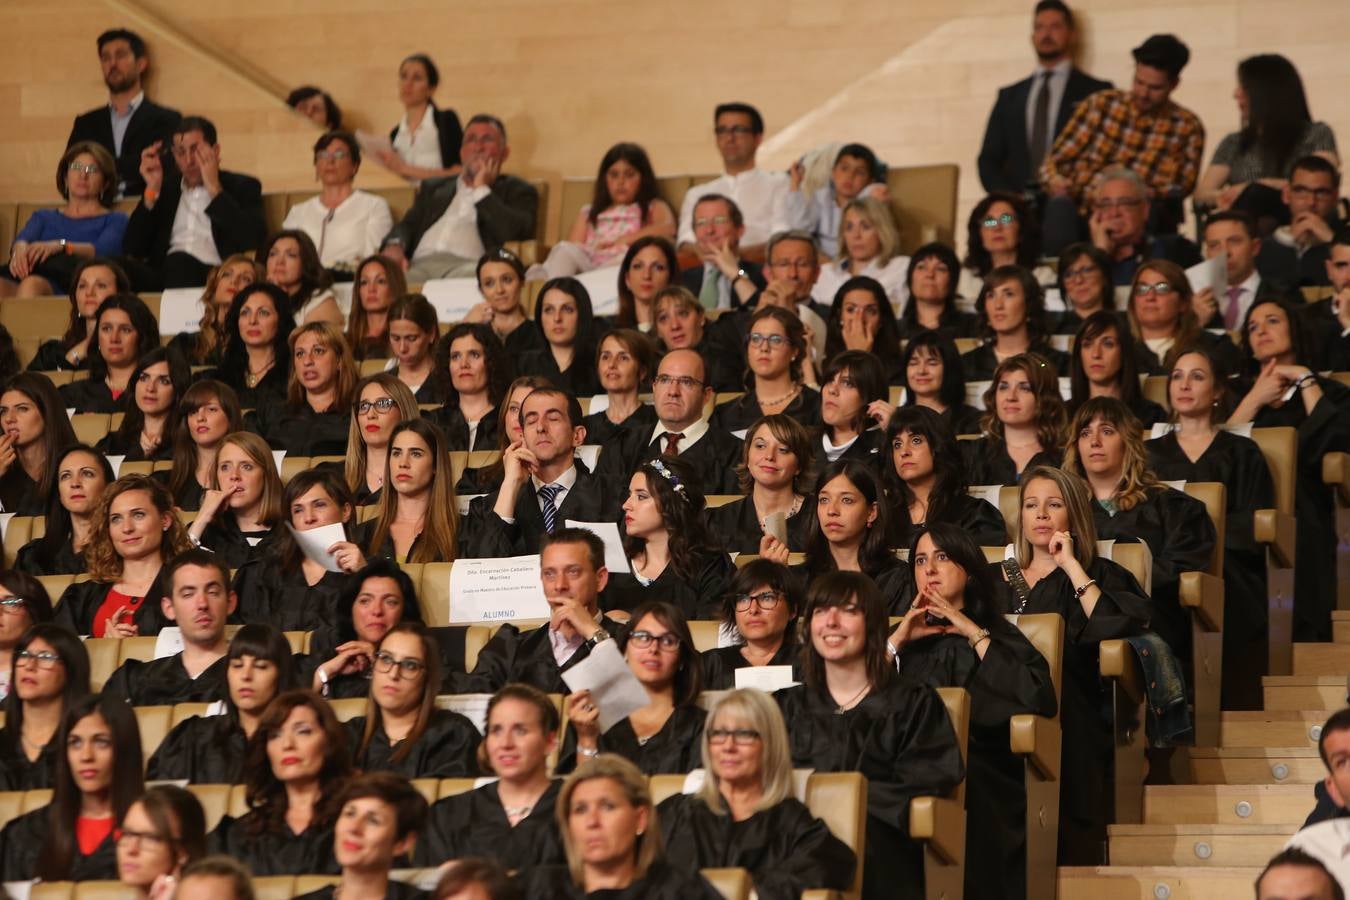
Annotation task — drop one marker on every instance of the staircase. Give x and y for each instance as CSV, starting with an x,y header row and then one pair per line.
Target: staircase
x,y
1210,838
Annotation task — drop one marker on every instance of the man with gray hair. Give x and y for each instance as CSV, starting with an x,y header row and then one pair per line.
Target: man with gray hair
x,y
1119,227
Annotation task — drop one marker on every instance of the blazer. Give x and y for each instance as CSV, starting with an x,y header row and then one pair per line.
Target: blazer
x,y
236,219
692,278
506,214
1005,158
149,123
449,132
591,499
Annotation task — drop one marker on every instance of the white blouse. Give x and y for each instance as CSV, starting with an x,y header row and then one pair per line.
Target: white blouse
x,y
346,234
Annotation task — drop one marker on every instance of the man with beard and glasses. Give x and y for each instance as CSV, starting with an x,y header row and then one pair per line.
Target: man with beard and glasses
x,y
1029,114
129,122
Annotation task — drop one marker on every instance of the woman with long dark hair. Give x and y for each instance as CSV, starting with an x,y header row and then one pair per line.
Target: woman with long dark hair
x,y
663,736
159,380
314,419
208,412
292,263
297,762
649,265
501,281
564,319
98,777
124,331
475,370
49,672
402,730
853,713
416,519
1012,322
382,403
205,346
853,395
243,507
1085,286
1023,425
256,361
23,604
861,318
161,833
379,282
760,608
82,474
36,432
625,362
93,281
413,334
778,374
775,476
672,555
932,280
934,377
211,749
1105,364
926,481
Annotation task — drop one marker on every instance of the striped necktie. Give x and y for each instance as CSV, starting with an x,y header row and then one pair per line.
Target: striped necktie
x,y
547,494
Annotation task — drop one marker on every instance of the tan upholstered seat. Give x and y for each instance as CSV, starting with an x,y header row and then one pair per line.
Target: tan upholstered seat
x,y
1274,528
705,634
939,823
712,501
433,592
154,722
182,711
104,658
237,805
90,428
52,890
732,884
664,786
18,532
1155,389
348,708
304,884
450,787
215,800
11,805
274,887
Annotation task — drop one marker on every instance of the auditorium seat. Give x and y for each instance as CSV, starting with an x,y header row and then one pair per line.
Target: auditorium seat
x,y
1274,528
90,428
272,887
732,884
104,659
1203,594
18,532
183,711
712,501
471,459
154,725
35,317
433,592
52,890
292,466
704,632
372,366
348,708
137,467
306,883
237,805
939,823
923,200
1039,741
11,805
1155,389
1336,475
142,648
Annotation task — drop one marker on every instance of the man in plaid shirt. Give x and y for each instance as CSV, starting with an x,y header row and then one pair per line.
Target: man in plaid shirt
x,y
1141,129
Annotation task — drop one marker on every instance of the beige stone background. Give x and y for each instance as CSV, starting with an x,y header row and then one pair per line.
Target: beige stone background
x,y
915,79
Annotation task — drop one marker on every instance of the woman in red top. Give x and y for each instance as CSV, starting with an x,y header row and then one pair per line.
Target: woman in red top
x,y
135,531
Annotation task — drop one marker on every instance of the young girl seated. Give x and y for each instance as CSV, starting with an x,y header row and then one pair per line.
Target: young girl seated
x,y
857,173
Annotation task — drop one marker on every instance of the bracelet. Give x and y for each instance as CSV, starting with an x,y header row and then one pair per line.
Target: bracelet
x,y
1304,380
981,635
891,649
1079,592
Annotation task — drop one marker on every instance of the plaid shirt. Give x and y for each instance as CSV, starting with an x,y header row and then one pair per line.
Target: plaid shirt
x,y
1164,148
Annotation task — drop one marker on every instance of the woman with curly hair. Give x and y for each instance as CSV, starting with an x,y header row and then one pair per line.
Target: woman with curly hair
x,y
1023,425
671,553
778,374
1011,320
297,763
475,370
205,346
1002,231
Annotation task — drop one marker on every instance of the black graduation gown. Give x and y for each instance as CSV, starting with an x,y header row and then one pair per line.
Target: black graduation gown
x,y
714,456
525,656
450,420
90,395
524,338
189,497
580,380
891,576
1237,463
33,559
901,739
474,823
591,499
963,419
201,750
287,601
162,682
987,461
600,430
979,364
224,538
432,390
185,345
868,448
113,445
699,596
270,389
1325,431
720,663
81,601
741,413
301,431
1012,678
17,771
1226,354
662,882
952,324
19,494
275,852
51,357
396,890
1181,537
974,515
1123,610
785,848
21,843
674,750
447,749
735,526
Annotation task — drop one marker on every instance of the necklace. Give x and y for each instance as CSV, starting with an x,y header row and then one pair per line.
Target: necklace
x,y
792,510
252,378
515,813
796,389
845,707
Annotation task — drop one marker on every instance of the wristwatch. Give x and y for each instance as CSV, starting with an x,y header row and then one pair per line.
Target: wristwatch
x,y
63,242
740,273
600,636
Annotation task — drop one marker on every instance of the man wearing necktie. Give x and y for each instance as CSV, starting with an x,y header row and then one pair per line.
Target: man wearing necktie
x,y
1232,233
721,280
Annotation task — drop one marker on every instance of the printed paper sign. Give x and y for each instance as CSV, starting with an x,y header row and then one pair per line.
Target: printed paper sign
x,y
496,590
616,560
764,678
452,297
180,310
614,688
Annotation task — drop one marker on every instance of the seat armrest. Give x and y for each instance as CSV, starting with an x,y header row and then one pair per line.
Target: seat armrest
x,y
1203,594
1118,663
1336,472
1276,530
1038,739
942,824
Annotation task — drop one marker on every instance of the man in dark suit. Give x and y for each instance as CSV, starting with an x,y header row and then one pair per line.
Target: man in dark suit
x,y
194,218
722,280
1029,114
1298,252
1233,233
543,483
130,122
572,569
454,221
1326,322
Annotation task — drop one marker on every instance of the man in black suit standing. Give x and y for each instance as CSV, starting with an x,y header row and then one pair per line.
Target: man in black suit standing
x,y
194,218
1029,114
543,483
723,280
130,122
454,221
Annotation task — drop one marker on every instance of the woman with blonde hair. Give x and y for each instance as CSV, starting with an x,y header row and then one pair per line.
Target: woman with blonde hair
x,y
382,402
1055,569
313,420
417,520
1164,319
135,533
206,346
612,838
378,284
744,814
682,323
1130,503
869,244
1024,422
243,505
207,413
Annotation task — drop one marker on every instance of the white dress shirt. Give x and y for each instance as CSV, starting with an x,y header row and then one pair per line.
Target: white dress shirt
x,y
755,193
456,232
567,480
892,277
346,234
421,146
692,434
1249,287
1328,842
1059,81
192,228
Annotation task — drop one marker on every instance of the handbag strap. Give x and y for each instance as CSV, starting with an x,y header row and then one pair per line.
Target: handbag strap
x,y
1019,583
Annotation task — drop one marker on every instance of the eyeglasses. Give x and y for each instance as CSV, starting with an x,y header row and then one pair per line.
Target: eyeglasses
x,y
411,668
741,737
643,639
1161,289
1005,219
711,220
85,168
1079,272
331,156
764,600
1302,190
45,660
1120,203
384,404
144,838
738,130
683,382
13,605
773,340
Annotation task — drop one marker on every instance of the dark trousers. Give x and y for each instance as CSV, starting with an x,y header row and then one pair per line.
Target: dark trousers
x,y
179,270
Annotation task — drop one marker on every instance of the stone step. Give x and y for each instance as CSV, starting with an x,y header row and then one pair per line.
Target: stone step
x,y
1227,804
1153,882
1271,728
1256,765
1195,845
1322,659
1324,692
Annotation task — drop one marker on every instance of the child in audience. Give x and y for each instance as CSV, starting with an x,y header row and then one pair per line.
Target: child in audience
x,y
856,174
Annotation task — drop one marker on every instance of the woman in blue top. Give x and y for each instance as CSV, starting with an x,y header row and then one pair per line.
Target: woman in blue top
x,y
52,242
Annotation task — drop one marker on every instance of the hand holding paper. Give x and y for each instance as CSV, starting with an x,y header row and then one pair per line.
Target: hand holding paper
x,y
615,691
315,543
